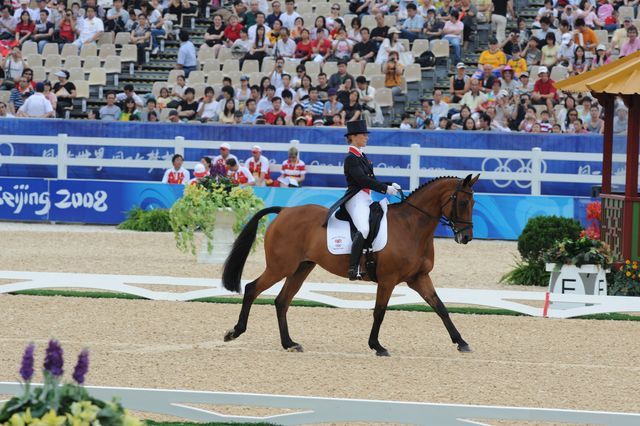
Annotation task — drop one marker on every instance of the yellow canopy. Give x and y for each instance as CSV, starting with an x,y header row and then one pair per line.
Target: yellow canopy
x,y
620,77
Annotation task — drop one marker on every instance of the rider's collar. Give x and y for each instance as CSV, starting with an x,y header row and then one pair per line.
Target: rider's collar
x,y
355,150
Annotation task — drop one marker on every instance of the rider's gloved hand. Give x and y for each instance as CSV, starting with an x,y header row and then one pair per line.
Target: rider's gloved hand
x,y
391,190
396,186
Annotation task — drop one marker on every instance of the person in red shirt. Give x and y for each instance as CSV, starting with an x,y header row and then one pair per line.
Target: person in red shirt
x,y
276,104
293,170
232,30
544,90
238,174
321,47
25,28
177,175
304,48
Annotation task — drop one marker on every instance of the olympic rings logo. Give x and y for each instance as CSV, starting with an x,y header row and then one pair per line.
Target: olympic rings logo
x,y
510,165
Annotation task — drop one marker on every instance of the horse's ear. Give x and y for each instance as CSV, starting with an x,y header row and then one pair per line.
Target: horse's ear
x,y
474,180
467,180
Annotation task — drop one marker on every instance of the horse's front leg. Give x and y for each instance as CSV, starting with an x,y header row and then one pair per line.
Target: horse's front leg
x,y
382,299
424,286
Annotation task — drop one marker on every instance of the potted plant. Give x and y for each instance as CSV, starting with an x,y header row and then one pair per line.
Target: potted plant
x,y
219,209
57,404
578,266
626,280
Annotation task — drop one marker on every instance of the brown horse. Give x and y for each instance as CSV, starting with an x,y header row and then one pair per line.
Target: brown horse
x,y
407,257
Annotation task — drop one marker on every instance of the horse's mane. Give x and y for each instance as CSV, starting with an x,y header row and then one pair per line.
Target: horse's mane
x,y
424,185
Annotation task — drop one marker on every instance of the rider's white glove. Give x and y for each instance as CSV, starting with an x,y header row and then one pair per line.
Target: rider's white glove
x,y
396,186
391,190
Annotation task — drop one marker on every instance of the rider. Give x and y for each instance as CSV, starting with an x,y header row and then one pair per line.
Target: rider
x,y
358,171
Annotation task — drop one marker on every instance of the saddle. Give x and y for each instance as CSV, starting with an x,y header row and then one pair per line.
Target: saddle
x,y
340,224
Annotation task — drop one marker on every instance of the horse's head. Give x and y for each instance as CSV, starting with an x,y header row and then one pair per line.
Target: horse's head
x,y
458,209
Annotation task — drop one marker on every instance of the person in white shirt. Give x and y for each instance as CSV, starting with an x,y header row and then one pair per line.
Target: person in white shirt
x,y
177,175
285,46
34,14
238,174
36,105
293,170
90,29
288,18
258,166
220,160
276,73
208,107
260,20
439,108
4,111
7,24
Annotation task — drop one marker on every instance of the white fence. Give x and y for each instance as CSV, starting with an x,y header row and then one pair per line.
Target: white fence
x,y
530,166
307,410
574,305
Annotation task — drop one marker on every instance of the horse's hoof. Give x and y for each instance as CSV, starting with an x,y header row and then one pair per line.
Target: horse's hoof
x,y
383,352
229,336
295,348
465,348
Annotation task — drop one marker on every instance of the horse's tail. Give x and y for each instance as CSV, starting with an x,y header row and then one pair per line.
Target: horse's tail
x,y
234,264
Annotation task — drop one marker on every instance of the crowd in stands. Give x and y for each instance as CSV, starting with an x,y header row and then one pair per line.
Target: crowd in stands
x,y
511,89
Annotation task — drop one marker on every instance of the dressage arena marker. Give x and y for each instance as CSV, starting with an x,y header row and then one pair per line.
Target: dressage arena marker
x,y
316,292
329,410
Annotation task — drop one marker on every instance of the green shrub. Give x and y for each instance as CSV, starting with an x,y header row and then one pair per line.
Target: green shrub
x,y
626,280
156,220
541,233
526,273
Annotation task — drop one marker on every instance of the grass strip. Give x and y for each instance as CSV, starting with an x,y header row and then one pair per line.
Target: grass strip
x,y
152,423
310,304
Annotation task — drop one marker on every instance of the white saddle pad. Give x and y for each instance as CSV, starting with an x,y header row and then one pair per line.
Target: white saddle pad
x,y
339,233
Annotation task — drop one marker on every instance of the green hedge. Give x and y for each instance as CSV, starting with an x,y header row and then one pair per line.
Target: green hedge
x,y
156,220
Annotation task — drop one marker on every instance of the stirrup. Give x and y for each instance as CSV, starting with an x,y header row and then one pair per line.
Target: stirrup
x,y
354,274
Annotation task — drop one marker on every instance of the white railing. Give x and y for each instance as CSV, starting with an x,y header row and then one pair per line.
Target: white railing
x,y
572,305
530,165
313,410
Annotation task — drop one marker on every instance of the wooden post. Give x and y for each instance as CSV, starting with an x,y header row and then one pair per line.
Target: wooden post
x,y
608,102
631,178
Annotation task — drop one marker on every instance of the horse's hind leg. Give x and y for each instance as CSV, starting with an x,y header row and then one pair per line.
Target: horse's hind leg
x,y
424,286
251,291
291,287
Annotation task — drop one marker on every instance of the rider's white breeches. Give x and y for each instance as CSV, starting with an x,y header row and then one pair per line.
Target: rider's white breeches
x,y
358,208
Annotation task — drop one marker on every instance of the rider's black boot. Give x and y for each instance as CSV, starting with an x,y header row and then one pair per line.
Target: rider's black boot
x,y
354,258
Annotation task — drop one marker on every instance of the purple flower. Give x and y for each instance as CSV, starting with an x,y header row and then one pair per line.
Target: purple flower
x,y
26,369
81,367
53,361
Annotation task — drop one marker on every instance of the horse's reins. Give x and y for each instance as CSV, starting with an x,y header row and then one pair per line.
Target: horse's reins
x,y
444,220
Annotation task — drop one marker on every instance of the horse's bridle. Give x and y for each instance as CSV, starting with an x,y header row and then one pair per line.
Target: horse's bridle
x,y
452,221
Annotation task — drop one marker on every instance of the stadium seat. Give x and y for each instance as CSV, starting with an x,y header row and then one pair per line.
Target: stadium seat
x,y
321,8
113,65
230,65
199,88
50,49
211,65
368,21
290,66
173,76
377,81
413,73
82,92
390,20
354,68
76,74
157,85
624,12
196,77
235,77
224,54
88,50
384,98
249,66
105,38
91,62
98,77
330,68
107,50
69,50
129,54
419,47
214,77
372,68
533,72
72,62
53,62
205,53
267,64
5,95
603,37
40,73
558,73
349,17
34,60
164,114
406,44
29,48
440,49
122,39
304,7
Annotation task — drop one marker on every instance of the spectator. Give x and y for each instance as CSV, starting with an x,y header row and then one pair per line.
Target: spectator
x,y
7,24
529,121
493,56
332,106
128,93
208,106
188,108
585,36
276,13
433,26
285,47
176,175
238,174
545,28
319,25
110,111
289,17
531,53
173,117
36,105
304,48
367,95
141,38
579,62
595,124
453,30
336,80
342,46
250,112
486,78
259,46
439,108
501,8
232,31
186,54
67,28
227,94
48,93
117,18
14,64
266,103
227,116
474,98
242,45
258,166
620,121
251,16
43,33
444,123
484,122
260,22
293,170
298,27
468,13
390,44
578,127
469,124
274,34
544,90
619,37
314,105
156,23
334,16
393,71
275,111
459,83
567,49
510,43
353,33
508,83
275,76
633,43
412,26
550,51
150,109
164,98
601,58
129,111
90,29
4,112
381,31
424,114
405,123
352,109
25,28
65,91
214,36
321,48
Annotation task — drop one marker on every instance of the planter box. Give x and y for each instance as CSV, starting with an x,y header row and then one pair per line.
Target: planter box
x,y
223,238
571,279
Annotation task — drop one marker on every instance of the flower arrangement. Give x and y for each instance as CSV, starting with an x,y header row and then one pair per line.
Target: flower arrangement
x,y
594,215
626,280
54,404
583,251
197,208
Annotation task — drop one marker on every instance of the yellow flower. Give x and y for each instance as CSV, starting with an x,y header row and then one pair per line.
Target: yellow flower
x,y
50,419
628,273
635,266
628,262
16,420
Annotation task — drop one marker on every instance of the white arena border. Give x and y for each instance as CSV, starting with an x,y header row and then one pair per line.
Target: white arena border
x,y
402,295
328,410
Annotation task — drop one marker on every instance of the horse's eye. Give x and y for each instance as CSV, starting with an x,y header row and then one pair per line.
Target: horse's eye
x,y
463,204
